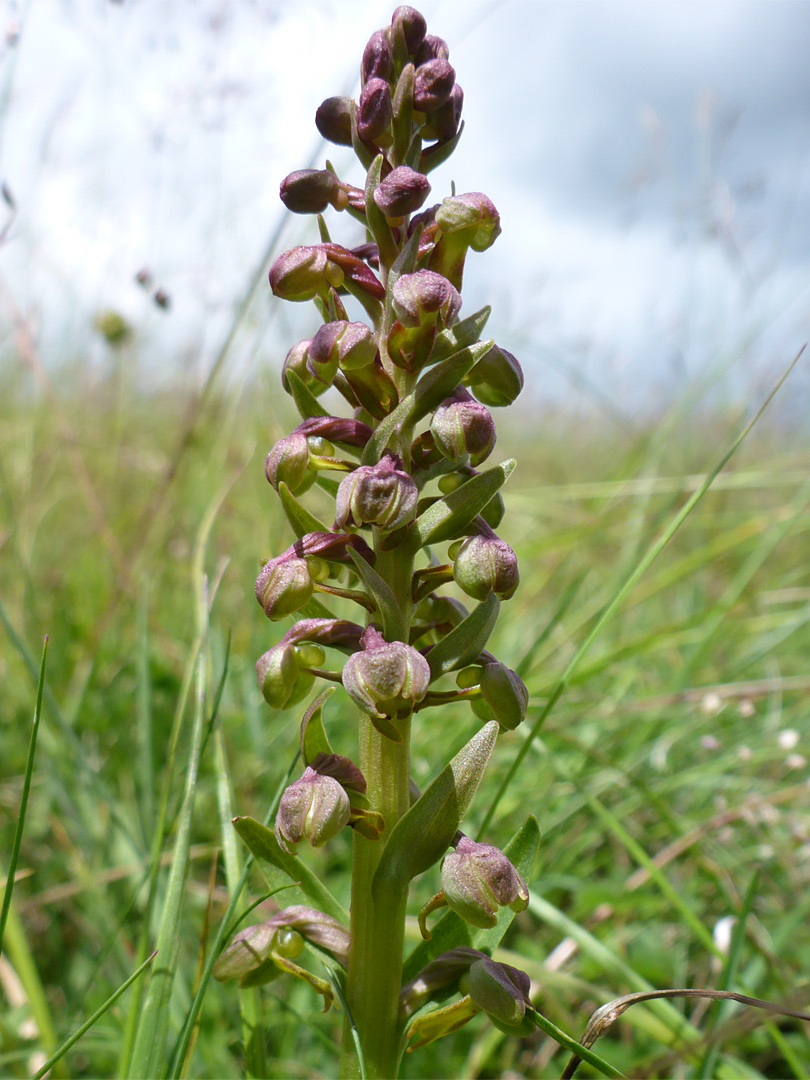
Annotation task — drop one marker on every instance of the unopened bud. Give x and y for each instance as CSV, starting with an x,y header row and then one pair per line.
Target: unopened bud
x,y
433,85
375,111
382,494
377,60
283,586
486,564
314,808
281,682
502,991
288,462
386,676
497,378
504,696
425,297
401,192
443,123
310,191
303,272
413,26
462,428
474,211
347,344
334,120
432,48
478,879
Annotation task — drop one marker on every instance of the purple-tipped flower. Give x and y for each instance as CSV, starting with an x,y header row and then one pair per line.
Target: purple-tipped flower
x,y
425,297
349,345
314,808
433,85
462,428
502,991
283,586
497,378
375,112
413,26
304,272
401,192
486,564
504,696
386,677
281,682
310,191
334,120
478,879
382,494
474,211
377,60
288,462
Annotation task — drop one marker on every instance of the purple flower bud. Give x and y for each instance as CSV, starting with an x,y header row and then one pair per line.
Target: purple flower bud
x,y
413,25
433,84
382,494
377,60
444,971
504,696
502,991
443,123
375,110
478,879
425,297
334,120
280,681
253,945
339,429
314,808
310,191
283,586
297,360
386,677
342,769
462,426
288,461
354,269
337,633
316,926
486,564
432,48
247,952
497,378
348,344
303,272
473,211
401,192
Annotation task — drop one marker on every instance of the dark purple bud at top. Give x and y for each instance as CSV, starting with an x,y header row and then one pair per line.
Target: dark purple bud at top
x,y
425,297
283,586
334,120
377,60
348,344
310,191
486,564
413,25
401,192
314,808
475,212
386,676
281,682
504,696
382,494
288,462
432,48
433,85
502,991
442,124
375,111
497,378
462,426
478,879
304,272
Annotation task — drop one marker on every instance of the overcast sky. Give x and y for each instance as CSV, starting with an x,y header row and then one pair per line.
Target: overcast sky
x,y
649,160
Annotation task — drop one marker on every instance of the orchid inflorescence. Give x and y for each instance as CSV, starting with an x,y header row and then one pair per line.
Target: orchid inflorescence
x,y
419,382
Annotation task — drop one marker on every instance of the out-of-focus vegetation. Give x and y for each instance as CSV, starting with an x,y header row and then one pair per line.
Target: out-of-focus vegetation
x,y
671,772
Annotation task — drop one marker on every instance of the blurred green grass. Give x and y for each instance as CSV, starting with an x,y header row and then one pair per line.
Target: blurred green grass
x,y
683,734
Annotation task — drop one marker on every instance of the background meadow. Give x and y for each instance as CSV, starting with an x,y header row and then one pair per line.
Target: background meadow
x,y
670,777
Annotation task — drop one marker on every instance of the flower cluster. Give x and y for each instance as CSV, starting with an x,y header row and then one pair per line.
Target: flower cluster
x,y
408,473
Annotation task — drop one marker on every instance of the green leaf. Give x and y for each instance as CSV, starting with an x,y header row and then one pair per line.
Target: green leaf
x,y
423,834
314,609
301,520
451,930
314,740
376,220
465,642
376,445
263,845
389,609
305,401
448,517
405,262
440,381
465,332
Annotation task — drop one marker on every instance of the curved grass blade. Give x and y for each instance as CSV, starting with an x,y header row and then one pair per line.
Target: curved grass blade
x,y
74,1038
580,1051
